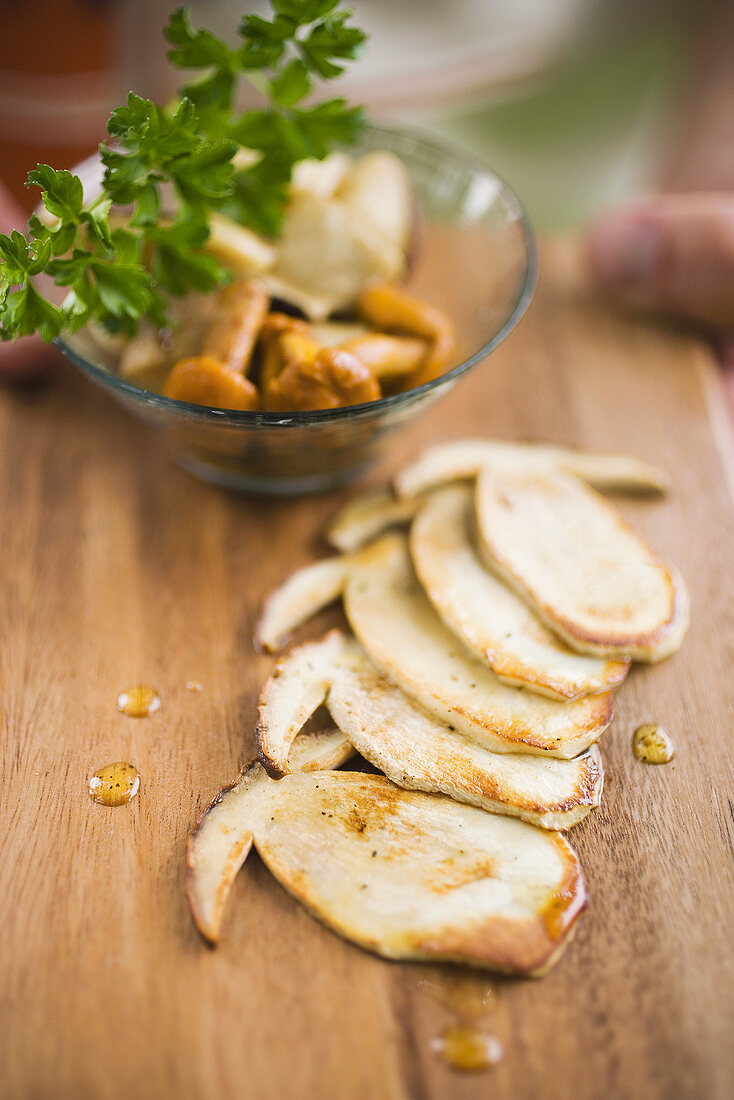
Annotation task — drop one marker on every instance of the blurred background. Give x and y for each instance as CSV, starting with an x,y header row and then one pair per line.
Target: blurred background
x,y
577,103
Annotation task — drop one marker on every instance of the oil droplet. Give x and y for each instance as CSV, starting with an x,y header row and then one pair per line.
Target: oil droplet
x,y
139,701
653,745
467,1049
114,784
194,685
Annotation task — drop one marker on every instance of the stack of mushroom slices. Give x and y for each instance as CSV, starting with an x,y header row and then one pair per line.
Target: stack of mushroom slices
x,y
478,679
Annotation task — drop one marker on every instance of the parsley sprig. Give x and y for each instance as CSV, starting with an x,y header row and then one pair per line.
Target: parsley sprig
x,y
124,254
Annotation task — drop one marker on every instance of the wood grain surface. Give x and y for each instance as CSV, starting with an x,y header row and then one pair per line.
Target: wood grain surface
x,y
118,567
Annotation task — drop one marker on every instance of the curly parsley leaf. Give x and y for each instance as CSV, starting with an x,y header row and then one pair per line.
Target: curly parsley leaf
x,y
116,275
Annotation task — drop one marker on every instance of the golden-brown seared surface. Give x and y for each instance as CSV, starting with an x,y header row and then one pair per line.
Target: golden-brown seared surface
x,y
487,615
419,876
414,749
404,874
405,638
421,753
577,563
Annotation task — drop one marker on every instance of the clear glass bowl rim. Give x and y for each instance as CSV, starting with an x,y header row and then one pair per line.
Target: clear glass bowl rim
x,y
323,416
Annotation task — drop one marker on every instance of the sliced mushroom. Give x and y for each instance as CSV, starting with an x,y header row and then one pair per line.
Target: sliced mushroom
x,y
421,753
406,640
239,248
414,749
366,516
320,177
406,875
326,257
346,226
409,644
378,193
464,458
305,593
487,615
569,554
222,838
297,687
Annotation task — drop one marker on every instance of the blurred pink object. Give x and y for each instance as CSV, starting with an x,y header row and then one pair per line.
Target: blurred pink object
x,y
29,357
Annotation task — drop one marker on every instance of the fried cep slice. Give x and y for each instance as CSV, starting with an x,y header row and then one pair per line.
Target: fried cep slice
x,y
407,641
303,595
204,381
332,380
221,840
418,876
418,752
241,310
415,750
390,309
487,615
570,555
390,358
297,687
464,458
368,515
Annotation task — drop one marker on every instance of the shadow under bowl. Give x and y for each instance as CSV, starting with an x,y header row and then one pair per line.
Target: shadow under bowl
x,y
476,259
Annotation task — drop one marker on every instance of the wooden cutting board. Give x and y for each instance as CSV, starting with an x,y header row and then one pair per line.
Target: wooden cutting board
x,y
118,567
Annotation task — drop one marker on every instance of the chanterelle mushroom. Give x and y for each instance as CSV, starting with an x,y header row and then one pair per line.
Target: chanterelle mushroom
x,y
205,381
330,380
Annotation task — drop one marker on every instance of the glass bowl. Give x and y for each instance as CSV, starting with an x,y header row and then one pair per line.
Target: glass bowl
x,y
476,258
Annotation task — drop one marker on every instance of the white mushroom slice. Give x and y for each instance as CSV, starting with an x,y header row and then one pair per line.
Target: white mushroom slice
x,y
239,247
414,749
332,333
487,616
377,191
409,644
297,687
464,459
304,594
366,516
326,256
319,177
418,876
580,567
222,838
419,752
